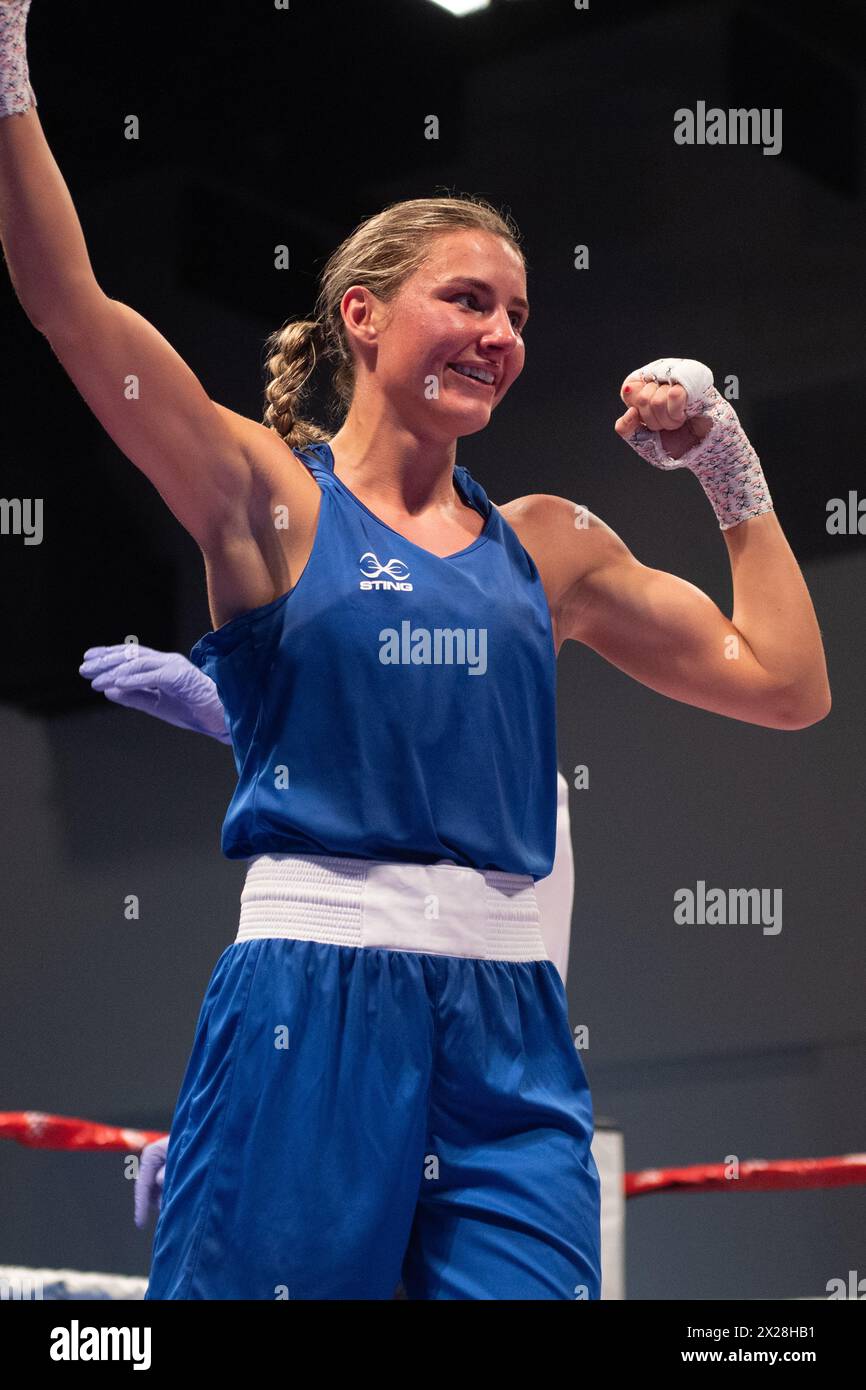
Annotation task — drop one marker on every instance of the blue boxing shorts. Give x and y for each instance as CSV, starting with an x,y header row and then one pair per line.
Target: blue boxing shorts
x,y
383,1086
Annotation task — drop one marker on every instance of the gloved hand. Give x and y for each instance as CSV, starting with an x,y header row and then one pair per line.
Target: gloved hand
x,y
148,1184
164,684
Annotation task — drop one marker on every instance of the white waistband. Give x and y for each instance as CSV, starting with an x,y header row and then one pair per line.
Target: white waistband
x,y
439,909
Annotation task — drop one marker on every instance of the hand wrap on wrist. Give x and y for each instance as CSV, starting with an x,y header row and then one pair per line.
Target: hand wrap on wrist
x,y
16,94
724,462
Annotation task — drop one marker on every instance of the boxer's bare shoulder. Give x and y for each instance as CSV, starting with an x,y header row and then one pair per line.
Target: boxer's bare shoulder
x,y
566,540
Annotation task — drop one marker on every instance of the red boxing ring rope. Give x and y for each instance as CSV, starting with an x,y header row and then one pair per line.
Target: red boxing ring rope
x,y
40,1131
753,1175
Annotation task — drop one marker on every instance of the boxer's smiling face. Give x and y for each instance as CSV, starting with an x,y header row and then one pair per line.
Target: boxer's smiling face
x,y
450,343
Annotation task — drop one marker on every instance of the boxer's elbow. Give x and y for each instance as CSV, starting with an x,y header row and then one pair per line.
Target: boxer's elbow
x,y
800,714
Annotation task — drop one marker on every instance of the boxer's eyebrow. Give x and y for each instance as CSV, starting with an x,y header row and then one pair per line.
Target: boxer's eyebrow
x,y
488,289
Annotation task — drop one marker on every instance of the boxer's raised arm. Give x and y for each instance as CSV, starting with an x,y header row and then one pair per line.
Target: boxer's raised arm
x,y
142,392
765,664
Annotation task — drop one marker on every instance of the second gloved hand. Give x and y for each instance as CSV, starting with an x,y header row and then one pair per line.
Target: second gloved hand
x,y
149,1183
164,684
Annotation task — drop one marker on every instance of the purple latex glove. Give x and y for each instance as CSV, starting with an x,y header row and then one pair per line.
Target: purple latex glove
x,y
148,1184
164,684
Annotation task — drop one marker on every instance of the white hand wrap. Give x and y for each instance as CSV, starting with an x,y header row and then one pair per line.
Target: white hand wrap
x,y
16,94
724,462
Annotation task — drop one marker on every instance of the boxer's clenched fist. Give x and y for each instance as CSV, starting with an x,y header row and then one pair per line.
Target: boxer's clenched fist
x,y
668,397
677,419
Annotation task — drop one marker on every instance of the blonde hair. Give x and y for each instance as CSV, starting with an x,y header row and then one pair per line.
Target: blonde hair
x,y
380,254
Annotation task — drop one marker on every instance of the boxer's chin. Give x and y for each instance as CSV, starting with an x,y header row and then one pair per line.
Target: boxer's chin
x,y
463,421
472,403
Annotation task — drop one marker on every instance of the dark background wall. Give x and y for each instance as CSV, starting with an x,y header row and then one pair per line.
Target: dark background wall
x,y
261,127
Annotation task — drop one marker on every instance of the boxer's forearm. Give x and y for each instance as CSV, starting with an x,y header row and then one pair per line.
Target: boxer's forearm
x,y
774,613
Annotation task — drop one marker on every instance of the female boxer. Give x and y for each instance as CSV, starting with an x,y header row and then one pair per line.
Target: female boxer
x,y
383,1080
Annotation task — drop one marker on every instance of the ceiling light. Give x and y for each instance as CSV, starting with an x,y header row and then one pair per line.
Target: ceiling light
x,y
462,7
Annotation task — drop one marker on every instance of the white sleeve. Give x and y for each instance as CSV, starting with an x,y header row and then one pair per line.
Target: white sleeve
x,y
555,894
